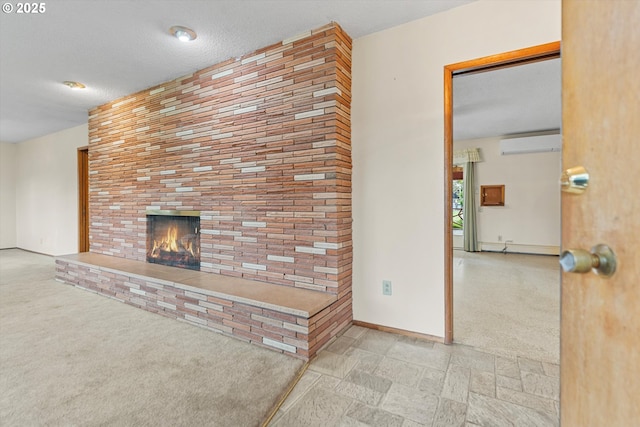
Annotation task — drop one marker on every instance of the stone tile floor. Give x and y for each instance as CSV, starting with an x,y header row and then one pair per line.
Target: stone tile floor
x,y
371,378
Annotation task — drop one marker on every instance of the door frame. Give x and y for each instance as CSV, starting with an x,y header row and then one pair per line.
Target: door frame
x,y
493,62
83,199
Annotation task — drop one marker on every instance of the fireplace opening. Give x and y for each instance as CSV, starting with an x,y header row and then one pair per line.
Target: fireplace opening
x,y
173,239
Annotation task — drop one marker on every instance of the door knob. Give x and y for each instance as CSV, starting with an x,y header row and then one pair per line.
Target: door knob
x,y
574,180
601,260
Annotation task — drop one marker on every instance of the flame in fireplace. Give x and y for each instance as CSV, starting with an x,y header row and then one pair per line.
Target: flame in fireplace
x,y
171,243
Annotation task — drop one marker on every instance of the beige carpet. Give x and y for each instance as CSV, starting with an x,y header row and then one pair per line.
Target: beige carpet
x,y
71,357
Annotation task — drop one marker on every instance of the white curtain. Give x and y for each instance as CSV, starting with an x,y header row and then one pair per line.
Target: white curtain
x,y
469,229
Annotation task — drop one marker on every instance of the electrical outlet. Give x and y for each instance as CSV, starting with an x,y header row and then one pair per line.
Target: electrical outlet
x,y
386,287
499,238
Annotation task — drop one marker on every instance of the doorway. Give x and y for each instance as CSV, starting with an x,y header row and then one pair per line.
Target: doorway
x,y
495,62
83,199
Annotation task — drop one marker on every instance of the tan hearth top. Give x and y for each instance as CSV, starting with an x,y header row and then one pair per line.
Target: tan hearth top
x,y
295,301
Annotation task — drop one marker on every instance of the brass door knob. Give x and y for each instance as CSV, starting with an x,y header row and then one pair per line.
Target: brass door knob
x,y
601,260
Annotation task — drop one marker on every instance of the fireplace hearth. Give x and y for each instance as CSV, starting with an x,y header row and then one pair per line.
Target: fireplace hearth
x,y
173,238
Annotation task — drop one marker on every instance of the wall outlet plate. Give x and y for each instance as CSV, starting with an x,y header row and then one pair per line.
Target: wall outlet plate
x,y
386,287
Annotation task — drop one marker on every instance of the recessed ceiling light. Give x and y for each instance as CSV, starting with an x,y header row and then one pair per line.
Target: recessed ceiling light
x,y
74,85
183,34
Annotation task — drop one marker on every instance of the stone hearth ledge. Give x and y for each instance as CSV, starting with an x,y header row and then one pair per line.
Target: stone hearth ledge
x,y
295,301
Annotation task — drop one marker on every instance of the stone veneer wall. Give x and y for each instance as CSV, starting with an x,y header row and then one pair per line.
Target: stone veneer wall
x,y
261,145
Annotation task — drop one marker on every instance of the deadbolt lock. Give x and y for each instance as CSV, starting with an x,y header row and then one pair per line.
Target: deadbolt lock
x,y
601,260
574,180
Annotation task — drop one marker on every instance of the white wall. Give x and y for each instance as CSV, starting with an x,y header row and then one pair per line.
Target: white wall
x,y
531,214
7,195
398,151
47,192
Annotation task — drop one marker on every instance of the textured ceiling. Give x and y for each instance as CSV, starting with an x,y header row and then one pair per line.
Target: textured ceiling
x,y
118,47
508,101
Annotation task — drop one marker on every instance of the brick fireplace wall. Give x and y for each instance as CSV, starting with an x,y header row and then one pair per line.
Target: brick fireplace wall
x,y
260,145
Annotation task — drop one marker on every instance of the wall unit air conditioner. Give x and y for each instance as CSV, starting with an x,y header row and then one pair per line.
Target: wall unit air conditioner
x,y
531,144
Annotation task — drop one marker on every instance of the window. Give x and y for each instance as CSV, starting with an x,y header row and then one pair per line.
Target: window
x,y
458,198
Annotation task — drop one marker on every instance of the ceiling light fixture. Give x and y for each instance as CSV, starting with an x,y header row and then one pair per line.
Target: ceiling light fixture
x,y
74,85
183,34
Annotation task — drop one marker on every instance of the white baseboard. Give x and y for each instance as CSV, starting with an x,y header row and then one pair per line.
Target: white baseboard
x,y
521,249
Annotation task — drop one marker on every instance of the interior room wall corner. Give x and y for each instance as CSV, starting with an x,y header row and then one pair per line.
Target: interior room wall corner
x,y
47,191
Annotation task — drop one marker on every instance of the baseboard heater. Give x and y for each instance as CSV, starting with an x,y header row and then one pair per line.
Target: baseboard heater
x,y
514,248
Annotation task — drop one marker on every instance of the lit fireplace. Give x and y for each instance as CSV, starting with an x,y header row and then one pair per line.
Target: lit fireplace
x,y
173,238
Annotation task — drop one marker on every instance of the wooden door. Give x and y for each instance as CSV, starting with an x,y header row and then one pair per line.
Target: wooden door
x,y
600,327
83,199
